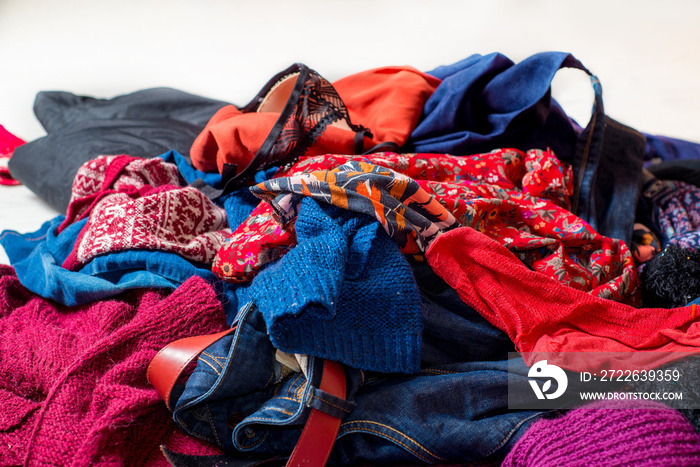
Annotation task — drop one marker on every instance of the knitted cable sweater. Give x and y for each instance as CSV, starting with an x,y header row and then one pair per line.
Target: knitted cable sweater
x,y
73,387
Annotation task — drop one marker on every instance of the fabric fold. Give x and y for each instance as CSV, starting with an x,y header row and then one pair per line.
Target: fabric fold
x,y
542,315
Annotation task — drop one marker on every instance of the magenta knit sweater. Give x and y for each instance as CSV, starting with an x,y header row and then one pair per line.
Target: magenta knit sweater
x,y
608,434
73,387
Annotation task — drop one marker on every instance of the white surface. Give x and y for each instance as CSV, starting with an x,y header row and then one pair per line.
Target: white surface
x,y
645,53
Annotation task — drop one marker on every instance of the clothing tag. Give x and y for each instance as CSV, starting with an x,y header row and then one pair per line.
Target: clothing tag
x,y
296,362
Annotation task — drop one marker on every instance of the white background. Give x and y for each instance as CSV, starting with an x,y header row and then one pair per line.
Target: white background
x,y
646,53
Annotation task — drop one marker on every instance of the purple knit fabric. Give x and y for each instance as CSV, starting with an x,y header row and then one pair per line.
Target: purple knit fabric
x,y
610,434
73,387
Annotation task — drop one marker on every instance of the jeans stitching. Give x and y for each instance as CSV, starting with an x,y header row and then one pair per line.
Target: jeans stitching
x,y
299,390
346,410
288,398
210,366
279,409
621,127
192,432
272,376
405,446
251,446
510,433
584,159
291,384
214,359
392,429
213,426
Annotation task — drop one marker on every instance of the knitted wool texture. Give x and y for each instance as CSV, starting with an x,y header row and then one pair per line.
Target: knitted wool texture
x,y
73,387
610,434
540,314
133,203
345,293
105,175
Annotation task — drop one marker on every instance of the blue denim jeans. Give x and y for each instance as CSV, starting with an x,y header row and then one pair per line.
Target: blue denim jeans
x,y
608,176
242,399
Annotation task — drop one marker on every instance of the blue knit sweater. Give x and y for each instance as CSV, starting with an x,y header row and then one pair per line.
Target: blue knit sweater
x,y
345,293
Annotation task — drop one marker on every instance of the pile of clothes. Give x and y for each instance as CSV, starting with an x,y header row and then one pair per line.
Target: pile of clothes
x,y
418,228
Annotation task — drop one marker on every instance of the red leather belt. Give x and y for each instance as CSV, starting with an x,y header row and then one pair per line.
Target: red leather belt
x,y
319,433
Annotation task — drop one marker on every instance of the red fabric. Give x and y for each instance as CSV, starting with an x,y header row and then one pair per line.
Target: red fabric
x,y
8,144
73,387
259,240
388,101
235,138
542,315
518,198
221,141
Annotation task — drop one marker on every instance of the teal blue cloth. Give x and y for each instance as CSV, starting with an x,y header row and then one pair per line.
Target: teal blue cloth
x,y
344,293
37,259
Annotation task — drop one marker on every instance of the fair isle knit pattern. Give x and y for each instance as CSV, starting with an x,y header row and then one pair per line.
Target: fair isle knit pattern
x,y
179,220
135,203
609,434
109,174
73,387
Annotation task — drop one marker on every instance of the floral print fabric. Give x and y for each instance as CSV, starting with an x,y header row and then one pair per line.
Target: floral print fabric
x,y
520,199
259,240
678,211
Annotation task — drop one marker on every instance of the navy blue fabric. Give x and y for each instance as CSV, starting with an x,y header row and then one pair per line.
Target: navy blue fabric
x,y
683,170
489,102
188,172
242,399
608,173
37,259
667,149
446,317
238,392
240,203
